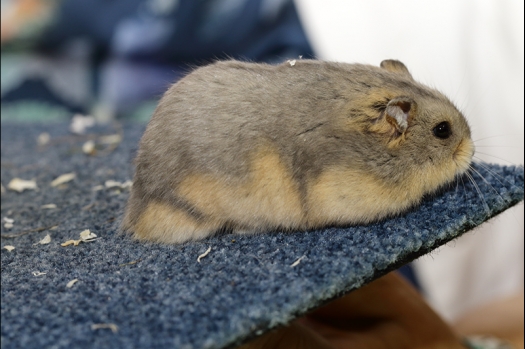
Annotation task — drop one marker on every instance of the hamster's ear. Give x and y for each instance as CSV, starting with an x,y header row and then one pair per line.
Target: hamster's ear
x,y
395,66
394,118
397,113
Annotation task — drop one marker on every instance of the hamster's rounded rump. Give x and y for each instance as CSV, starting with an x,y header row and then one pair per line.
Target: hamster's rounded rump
x,y
301,145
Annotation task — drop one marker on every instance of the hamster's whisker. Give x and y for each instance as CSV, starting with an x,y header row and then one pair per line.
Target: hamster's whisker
x,y
481,139
496,157
464,188
487,182
457,184
462,181
498,146
486,206
496,175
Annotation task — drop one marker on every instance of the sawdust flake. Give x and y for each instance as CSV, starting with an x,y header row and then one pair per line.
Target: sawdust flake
x,y
46,240
80,123
296,263
204,254
70,242
112,327
110,139
71,283
89,147
43,138
20,185
87,236
114,184
66,177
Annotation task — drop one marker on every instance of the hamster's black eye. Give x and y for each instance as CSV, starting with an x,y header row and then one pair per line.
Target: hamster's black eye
x,y
442,130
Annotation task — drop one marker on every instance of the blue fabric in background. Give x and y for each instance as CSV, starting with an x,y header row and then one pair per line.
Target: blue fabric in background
x,y
133,50
182,31
159,296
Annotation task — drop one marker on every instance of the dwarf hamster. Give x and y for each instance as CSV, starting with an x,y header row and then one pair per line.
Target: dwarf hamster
x,y
301,145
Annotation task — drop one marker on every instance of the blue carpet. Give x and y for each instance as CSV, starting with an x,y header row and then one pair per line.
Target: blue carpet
x,y
160,296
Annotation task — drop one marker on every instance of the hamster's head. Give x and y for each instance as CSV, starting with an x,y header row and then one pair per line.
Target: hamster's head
x,y
426,140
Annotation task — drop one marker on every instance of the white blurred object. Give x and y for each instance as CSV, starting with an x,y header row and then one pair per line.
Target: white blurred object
x,y
80,123
473,51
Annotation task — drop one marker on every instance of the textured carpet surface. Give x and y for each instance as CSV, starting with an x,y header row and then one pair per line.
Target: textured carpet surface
x,y
161,296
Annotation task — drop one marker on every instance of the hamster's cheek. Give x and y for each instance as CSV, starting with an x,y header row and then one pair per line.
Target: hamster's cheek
x,y
346,196
430,176
162,223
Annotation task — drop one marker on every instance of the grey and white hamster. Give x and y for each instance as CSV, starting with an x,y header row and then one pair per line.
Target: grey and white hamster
x,y
300,145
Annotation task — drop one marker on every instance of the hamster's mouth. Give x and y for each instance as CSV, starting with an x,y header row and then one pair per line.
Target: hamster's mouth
x,y
463,155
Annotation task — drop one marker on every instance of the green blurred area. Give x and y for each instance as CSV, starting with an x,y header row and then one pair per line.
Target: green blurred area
x,y
22,24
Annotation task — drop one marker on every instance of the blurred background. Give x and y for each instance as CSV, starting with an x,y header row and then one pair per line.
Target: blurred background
x,y
114,59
